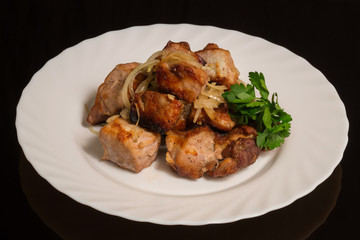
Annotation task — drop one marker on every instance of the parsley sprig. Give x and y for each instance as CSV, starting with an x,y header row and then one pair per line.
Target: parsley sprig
x,y
269,119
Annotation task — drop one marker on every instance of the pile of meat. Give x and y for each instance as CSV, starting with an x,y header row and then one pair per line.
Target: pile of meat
x,y
197,142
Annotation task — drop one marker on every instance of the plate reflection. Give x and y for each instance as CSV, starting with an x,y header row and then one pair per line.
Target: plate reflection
x,y
72,220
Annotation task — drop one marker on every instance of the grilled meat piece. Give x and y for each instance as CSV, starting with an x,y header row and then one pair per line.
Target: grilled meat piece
x,y
181,74
191,153
240,131
129,146
238,150
183,123
237,155
108,98
222,120
220,65
158,111
183,47
181,79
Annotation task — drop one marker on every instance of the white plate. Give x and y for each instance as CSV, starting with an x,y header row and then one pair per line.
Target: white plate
x,y
55,138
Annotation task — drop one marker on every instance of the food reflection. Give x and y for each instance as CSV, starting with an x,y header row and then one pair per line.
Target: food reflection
x,y
72,220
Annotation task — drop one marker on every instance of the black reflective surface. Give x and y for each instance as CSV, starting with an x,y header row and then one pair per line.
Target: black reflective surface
x,y
72,220
323,32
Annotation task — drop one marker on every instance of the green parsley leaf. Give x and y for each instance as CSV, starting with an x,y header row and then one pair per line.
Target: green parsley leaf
x,y
240,94
269,119
243,98
262,138
266,118
258,80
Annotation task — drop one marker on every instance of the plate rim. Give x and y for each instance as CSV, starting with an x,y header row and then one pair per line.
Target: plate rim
x,y
181,25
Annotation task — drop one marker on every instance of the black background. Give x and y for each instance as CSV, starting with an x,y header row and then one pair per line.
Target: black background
x,y
323,32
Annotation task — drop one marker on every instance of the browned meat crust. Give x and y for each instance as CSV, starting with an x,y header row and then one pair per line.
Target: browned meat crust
x,y
238,150
108,98
221,68
158,111
191,153
237,155
182,80
183,123
222,120
129,146
179,77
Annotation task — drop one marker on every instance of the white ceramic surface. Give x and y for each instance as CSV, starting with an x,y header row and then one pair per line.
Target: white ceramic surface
x,y
54,136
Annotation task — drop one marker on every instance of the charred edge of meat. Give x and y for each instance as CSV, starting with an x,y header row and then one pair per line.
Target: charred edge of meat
x,y
245,130
182,71
182,80
236,155
157,111
146,123
223,81
244,150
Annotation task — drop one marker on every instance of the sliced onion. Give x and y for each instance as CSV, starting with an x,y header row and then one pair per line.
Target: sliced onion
x,y
128,85
218,87
112,118
148,67
155,55
125,114
143,86
171,97
210,112
209,99
138,113
92,130
174,57
214,95
196,116
206,103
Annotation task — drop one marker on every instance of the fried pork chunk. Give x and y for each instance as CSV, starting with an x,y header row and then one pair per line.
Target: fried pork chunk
x,y
183,122
158,111
221,121
184,47
237,149
220,65
191,153
129,146
108,99
180,72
